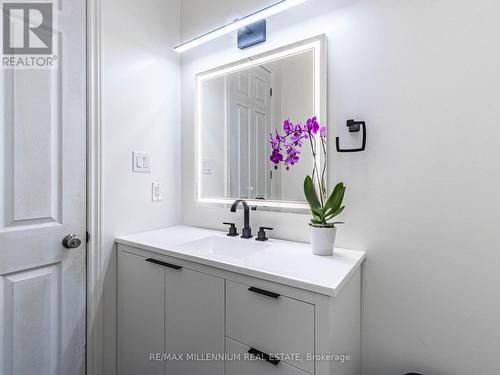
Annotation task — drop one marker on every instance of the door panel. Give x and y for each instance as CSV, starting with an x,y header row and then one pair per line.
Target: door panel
x,y
261,89
42,199
261,150
30,321
35,157
244,126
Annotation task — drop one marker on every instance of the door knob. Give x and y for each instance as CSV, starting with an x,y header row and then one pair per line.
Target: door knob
x,y
71,241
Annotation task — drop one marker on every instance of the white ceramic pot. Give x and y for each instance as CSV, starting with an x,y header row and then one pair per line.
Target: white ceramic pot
x,y
323,240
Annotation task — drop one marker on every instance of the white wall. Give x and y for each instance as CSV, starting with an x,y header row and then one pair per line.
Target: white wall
x,y
423,200
141,112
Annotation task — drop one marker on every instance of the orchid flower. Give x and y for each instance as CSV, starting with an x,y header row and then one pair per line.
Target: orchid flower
x,y
285,149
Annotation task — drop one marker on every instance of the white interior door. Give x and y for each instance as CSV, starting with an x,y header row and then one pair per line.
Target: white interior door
x,y
249,123
42,199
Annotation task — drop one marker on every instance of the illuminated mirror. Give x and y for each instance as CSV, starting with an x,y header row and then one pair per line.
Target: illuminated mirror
x,y
239,105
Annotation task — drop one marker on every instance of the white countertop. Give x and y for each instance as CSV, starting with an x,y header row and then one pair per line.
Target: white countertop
x,y
285,262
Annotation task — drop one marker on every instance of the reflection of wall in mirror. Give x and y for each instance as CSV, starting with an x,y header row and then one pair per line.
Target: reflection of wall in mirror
x,y
293,99
213,122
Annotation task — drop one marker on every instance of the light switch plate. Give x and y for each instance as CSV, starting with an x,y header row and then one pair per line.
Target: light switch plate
x,y
141,162
156,194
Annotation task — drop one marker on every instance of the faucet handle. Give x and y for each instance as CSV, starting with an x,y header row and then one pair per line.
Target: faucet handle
x,y
233,231
261,236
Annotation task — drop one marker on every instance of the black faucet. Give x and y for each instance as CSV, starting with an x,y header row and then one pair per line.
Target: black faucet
x,y
247,230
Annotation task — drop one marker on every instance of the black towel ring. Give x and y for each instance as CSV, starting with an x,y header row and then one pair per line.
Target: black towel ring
x,y
354,127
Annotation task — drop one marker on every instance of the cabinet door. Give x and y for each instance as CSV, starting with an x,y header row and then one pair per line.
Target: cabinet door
x,y
194,321
140,315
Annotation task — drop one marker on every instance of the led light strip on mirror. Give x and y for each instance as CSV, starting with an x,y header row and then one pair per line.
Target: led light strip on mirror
x,y
261,14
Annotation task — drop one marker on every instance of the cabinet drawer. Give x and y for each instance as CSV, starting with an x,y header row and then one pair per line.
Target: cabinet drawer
x,y
271,323
241,366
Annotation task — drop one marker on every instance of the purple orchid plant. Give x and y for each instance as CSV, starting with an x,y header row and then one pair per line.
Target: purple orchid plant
x,y
286,148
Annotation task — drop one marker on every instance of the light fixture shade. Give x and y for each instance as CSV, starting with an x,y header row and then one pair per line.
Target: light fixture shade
x,y
261,14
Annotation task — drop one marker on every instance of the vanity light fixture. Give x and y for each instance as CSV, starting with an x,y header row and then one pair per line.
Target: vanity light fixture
x,y
252,18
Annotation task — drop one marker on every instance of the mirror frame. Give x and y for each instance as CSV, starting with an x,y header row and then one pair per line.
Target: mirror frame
x,y
318,46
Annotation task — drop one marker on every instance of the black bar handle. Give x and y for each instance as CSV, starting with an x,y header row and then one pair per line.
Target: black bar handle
x,y
264,292
164,264
264,356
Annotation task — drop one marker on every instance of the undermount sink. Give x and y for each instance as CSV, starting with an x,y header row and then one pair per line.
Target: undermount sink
x,y
225,247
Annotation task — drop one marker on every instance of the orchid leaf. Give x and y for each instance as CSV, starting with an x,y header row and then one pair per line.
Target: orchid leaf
x,y
329,204
338,197
317,213
335,213
311,194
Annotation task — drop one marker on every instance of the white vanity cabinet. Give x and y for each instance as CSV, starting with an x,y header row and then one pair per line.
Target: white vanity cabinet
x,y
298,313
165,308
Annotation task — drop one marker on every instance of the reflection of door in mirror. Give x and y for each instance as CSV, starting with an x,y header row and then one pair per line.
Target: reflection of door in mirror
x,y
250,116
259,99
